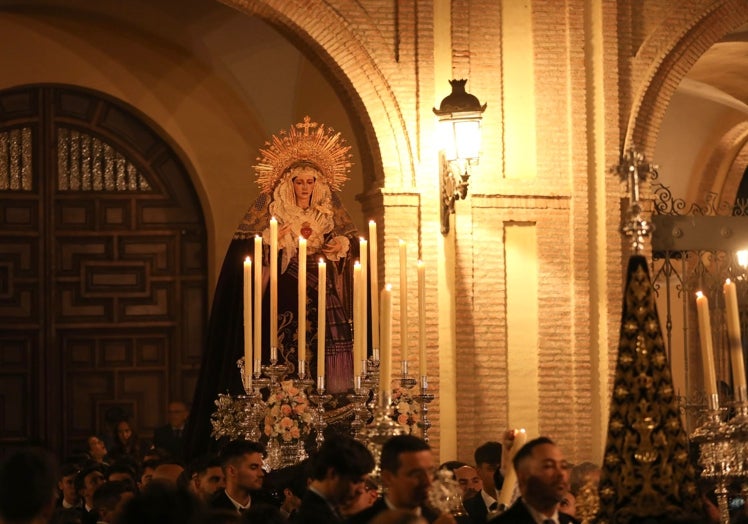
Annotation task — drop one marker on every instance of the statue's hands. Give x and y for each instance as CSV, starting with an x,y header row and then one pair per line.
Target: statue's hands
x,y
336,248
283,230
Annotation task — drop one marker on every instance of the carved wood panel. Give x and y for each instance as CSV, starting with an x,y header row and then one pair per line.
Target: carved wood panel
x,y
102,269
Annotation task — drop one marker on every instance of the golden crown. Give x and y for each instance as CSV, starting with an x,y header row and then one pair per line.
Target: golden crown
x,y
305,143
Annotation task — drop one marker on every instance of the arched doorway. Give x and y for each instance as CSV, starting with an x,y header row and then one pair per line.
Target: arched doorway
x,y
102,269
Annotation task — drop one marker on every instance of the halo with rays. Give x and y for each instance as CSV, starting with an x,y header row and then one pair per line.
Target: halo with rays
x,y
308,143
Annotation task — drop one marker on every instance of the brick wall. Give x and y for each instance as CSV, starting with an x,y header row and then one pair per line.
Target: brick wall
x,y
600,74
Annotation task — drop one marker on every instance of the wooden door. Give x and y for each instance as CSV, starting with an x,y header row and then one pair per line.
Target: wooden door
x,y
102,269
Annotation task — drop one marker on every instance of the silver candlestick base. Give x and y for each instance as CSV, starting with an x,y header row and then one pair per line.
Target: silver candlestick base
x,y
721,446
319,398
380,430
740,420
406,381
371,379
304,382
275,371
425,398
358,397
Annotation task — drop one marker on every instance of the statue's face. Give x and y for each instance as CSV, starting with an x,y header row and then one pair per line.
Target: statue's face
x,y
303,185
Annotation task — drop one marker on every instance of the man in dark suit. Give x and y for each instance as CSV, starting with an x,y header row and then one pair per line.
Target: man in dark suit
x,y
337,472
169,437
241,461
543,480
487,460
88,480
407,469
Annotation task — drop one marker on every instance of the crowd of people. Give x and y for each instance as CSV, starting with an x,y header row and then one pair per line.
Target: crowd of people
x,y
136,482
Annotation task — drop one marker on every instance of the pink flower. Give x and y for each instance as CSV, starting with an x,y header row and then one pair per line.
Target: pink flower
x,y
285,423
402,418
295,433
268,430
285,410
299,409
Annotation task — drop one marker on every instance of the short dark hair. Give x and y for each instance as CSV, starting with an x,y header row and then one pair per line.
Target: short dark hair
x,y
69,469
121,467
488,453
526,450
237,449
395,446
289,477
28,483
200,465
348,457
86,470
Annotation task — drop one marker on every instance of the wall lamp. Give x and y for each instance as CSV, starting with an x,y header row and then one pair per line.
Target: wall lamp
x,y
459,117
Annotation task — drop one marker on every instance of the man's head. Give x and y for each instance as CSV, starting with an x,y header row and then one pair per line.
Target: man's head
x,y
146,472
66,484
121,472
286,486
487,460
110,497
90,477
96,448
365,499
241,461
542,474
28,479
167,471
407,466
469,481
177,414
207,476
338,468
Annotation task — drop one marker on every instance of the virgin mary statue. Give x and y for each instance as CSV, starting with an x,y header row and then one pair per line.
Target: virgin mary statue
x,y
299,173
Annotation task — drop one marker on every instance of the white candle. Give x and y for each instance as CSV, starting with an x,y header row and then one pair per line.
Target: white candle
x,y
374,279
705,335
403,301
385,355
733,335
421,318
356,320
273,283
302,301
321,322
510,477
257,332
364,301
248,320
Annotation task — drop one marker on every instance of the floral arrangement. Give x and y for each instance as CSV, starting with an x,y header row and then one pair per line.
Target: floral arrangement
x,y
288,416
405,408
225,419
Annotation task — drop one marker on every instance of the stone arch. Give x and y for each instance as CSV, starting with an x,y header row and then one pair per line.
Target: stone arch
x,y
666,57
333,40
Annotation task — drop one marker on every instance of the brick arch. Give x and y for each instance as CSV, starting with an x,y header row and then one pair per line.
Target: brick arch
x,y
333,39
724,169
666,57
736,170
